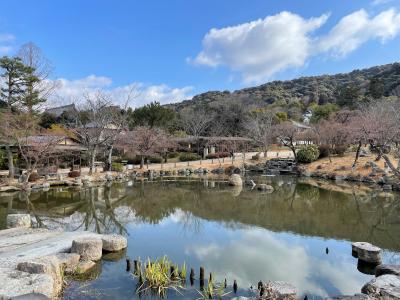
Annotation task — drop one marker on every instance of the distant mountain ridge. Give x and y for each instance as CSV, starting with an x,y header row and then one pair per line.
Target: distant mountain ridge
x,y
320,89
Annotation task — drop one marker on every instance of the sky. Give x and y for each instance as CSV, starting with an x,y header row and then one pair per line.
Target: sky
x,y
168,51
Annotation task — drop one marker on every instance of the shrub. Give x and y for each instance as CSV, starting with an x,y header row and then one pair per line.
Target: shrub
x,y
155,159
74,174
324,150
33,177
218,155
117,167
308,154
255,157
172,154
189,157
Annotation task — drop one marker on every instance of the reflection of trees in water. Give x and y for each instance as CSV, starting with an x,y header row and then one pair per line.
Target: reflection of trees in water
x,y
295,207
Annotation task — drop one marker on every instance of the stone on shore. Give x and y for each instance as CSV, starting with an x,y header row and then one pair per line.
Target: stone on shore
x,y
114,242
18,220
235,180
387,269
21,283
68,260
49,265
81,268
279,290
88,248
31,296
265,187
349,297
383,287
367,252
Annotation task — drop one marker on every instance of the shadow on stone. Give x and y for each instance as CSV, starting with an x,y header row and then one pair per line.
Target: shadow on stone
x,y
366,268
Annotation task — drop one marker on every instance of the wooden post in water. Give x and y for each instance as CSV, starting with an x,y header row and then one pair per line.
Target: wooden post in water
x,y
136,266
172,270
128,264
225,283
210,278
201,277
191,276
235,286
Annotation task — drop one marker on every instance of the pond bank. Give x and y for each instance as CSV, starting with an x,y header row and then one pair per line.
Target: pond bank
x,y
36,260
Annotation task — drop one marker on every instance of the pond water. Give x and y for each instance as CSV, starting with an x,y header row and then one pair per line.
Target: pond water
x,y
300,233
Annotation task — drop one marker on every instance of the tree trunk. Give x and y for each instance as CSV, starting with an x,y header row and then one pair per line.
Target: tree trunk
x,y
391,166
10,162
293,148
92,160
109,159
141,161
357,154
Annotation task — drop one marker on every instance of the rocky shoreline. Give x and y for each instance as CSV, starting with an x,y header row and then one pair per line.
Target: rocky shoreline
x,y
35,261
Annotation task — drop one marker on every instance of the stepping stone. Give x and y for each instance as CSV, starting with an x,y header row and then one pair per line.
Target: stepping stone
x,y
88,248
114,242
387,269
68,260
367,252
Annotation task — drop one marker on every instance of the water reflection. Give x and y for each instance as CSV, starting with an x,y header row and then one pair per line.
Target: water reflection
x,y
236,234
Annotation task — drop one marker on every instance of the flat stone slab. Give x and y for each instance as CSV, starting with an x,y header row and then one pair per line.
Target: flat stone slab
x,y
31,296
20,283
385,286
68,260
367,252
387,269
114,242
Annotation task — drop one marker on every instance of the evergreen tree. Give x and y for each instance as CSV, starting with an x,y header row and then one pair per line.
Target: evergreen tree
x,y
14,76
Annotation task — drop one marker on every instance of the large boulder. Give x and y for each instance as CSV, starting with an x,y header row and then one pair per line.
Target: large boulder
x,y
235,180
367,252
18,220
387,269
383,287
88,248
114,242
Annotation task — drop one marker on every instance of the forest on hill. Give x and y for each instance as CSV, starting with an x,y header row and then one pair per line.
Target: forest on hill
x,y
295,96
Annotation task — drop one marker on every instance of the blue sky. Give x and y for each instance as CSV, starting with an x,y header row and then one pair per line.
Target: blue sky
x,y
174,49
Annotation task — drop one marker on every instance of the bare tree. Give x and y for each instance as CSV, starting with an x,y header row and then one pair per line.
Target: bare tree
x,y
97,124
195,122
332,135
259,129
287,134
34,146
379,125
144,141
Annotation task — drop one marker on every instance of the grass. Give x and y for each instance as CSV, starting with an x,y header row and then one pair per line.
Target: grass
x,y
160,275
213,291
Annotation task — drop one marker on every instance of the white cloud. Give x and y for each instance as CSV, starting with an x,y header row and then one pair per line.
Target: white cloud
x,y
357,28
6,37
379,2
260,49
5,40
68,91
255,254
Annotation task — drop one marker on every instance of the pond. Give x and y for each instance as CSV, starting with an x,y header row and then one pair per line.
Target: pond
x,y
301,233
